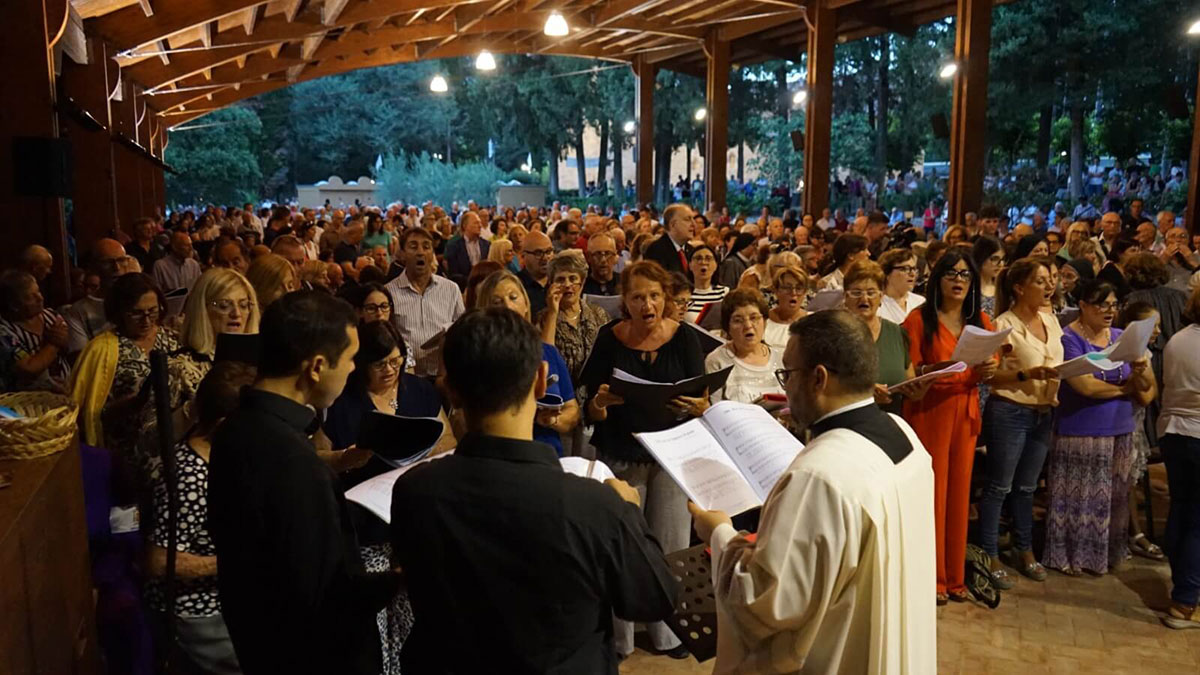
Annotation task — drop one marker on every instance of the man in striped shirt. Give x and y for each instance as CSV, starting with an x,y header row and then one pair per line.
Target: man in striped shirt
x,y
424,304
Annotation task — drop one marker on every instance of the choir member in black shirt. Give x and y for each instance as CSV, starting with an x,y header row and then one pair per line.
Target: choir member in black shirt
x,y
292,585
512,565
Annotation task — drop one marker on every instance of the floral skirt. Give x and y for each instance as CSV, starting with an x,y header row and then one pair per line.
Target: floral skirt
x,y
1088,520
396,620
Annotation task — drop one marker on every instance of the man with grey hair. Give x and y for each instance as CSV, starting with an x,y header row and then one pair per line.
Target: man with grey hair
x,y
37,261
842,575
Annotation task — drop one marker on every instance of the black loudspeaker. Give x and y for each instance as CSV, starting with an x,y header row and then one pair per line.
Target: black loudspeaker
x,y
797,140
42,166
941,126
1175,104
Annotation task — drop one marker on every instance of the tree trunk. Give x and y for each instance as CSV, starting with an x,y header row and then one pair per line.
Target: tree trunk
x,y
881,113
1045,119
782,102
687,171
1077,149
580,163
552,159
662,173
602,168
742,162
618,160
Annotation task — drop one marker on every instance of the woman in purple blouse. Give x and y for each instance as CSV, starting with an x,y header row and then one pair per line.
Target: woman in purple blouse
x,y
1093,445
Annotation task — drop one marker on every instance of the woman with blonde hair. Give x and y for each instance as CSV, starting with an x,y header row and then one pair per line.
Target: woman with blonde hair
x,y
315,273
501,252
272,277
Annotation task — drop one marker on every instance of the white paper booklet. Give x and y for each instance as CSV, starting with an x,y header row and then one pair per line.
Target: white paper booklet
x,y
728,459
951,369
375,494
1131,344
586,468
976,345
1087,364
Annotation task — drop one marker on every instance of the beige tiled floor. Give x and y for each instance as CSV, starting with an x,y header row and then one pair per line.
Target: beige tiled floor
x,y
1089,625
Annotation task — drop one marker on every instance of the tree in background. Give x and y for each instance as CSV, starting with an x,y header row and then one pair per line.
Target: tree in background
x,y
216,161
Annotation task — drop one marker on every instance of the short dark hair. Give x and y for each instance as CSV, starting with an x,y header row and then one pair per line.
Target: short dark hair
x,y
218,393
1094,291
738,298
985,245
842,343
989,212
1121,245
414,232
491,358
126,290
301,325
12,286
376,340
846,246
357,294
877,217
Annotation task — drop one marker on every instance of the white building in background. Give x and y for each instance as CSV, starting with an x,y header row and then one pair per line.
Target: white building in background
x,y
339,193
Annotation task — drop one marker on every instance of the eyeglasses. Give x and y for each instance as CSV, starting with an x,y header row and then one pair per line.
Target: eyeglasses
x,y
905,269
226,305
381,308
787,289
394,363
782,374
961,275
541,253
1106,307
996,259
858,294
746,320
143,314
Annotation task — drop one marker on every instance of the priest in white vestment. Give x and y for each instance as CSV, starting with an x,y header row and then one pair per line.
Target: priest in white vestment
x,y
841,578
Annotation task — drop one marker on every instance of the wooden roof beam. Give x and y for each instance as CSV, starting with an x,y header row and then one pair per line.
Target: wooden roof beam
x,y
251,17
129,27
740,29
293,9
880,18
146,8
163,52
331,10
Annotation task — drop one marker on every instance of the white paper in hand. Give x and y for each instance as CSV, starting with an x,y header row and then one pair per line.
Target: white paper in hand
x,y
951,369
586,468
976,345
1131,344
1087,364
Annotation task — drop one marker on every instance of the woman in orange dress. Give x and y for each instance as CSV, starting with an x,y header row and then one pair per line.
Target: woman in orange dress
x,y
947,419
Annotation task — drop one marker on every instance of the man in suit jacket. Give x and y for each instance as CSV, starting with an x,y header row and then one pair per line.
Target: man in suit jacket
x,y
512,564
667,250
464,251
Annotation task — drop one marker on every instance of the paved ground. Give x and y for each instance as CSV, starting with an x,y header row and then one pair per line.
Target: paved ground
x,y
1088,624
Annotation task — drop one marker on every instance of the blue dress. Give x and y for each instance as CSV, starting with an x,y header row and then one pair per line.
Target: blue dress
x,y
562,387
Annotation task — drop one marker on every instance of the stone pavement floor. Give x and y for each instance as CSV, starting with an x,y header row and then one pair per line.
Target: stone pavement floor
x,y
1088,624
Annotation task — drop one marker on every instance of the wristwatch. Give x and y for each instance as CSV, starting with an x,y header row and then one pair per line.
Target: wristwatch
x,y
1021,376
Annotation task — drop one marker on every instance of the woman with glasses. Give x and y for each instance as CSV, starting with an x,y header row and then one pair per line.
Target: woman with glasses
x,y
702,266
900,272
743,318
371,300
1087,522
947,418
988,254
790,285
863,293
1018,414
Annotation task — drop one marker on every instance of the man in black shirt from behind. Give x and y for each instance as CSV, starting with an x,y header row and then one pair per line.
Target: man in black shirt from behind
x,y
512,565
293,590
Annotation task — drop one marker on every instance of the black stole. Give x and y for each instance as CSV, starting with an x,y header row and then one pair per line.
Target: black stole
x,y
875,425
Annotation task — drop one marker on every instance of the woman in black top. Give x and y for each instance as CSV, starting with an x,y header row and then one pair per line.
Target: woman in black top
x,y
648,345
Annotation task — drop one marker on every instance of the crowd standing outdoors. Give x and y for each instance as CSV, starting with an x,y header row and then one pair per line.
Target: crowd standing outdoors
x,y
475,316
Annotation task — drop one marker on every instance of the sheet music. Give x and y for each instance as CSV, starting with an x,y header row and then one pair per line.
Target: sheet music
x,y
611,304
694,458
581,467
937,374
1086,364
756,442
375,494
976,345
829,298
1131,344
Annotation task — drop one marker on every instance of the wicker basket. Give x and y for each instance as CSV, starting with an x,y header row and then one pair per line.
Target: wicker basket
x,y
47,427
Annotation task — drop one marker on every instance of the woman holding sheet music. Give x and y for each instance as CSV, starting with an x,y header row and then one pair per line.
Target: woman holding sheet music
x,y
864,283
1087,521
1018,415
650,346
754,362
947,418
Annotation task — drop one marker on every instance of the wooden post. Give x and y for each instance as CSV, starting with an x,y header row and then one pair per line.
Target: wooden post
x,y
968,126
95,209
644,104
1193,185
716,137
818,111
126,163
31,28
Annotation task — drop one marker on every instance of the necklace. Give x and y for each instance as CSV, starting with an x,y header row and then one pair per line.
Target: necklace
x,y
1092,336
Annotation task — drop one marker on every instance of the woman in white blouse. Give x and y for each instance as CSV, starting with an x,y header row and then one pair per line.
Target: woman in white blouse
x,y
900,275
790,285
1018,416
743,318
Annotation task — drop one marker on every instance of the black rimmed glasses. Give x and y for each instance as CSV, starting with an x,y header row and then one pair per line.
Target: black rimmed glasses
x,y
961,275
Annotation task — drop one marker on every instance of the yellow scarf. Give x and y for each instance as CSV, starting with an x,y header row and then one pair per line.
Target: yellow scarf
x,y
91,381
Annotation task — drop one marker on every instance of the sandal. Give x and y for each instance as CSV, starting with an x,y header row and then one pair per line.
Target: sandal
x,y
1035,571
1069,571
942,599
1142,546
1002,579
960,596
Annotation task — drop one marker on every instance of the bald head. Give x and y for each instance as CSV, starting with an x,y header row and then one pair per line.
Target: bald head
x,y
1022,230
37,261
535,252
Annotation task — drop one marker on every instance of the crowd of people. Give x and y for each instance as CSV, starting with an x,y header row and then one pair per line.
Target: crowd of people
x,y
476,316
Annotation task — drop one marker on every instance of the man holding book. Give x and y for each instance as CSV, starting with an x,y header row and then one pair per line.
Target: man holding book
x,y
503,552
842,575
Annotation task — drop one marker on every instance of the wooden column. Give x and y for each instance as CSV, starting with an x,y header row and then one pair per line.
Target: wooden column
x,y
818,110
1193,186
716,137
645,73
968,124
31,28
126,162
94,213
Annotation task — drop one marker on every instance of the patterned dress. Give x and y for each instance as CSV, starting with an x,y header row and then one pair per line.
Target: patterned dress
x,y
18,344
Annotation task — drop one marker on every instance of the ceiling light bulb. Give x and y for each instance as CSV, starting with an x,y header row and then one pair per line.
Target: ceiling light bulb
x,y
485,61
948,71
800,97
701,113
556,25
438,84
1194,29
630,126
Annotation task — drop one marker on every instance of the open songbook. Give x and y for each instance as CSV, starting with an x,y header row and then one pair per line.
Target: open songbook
x,y
398,440
728,459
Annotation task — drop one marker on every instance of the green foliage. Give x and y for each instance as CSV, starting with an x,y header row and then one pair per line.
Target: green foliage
x,y
417,178
216,163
